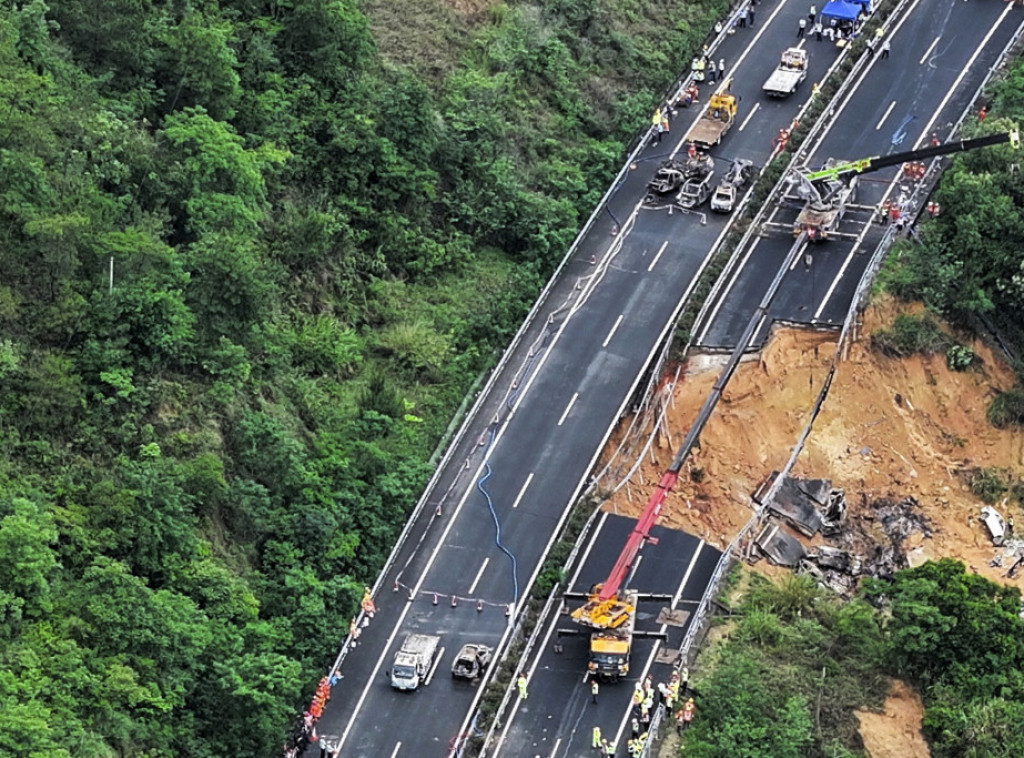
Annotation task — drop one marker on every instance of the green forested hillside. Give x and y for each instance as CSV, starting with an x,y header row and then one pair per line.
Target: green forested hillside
x,y
252,255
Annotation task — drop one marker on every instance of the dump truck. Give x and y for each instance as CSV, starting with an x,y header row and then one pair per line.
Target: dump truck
x,y
716,120
471,662
413,661
786,77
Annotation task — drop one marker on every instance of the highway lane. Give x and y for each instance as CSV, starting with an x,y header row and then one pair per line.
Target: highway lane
x,y
607,319
558,716
940,53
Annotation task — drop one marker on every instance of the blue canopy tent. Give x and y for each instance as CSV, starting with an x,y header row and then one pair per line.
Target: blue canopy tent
x,y
842,10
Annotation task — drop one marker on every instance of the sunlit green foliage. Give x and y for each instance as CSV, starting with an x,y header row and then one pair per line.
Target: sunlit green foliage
x,y
249,266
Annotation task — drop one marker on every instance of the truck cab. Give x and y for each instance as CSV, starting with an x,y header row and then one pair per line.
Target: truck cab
x,y
716,120
609,655
413,661
786,77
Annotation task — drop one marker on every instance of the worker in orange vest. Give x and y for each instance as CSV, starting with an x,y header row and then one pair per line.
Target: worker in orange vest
x,y
688,711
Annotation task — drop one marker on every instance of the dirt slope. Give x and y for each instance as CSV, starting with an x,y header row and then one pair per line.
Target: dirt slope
x,y
890,428
896,732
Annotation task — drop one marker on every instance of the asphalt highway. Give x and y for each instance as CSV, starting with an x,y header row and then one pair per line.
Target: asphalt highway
x,y
558,716
524,454
941,51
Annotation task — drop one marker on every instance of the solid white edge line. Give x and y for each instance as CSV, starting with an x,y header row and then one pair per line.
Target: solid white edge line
x,y
735,67
554,623
924,132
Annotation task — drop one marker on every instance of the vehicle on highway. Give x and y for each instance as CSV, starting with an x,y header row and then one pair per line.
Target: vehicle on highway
x,y
471,661
697,184
724,198
829,192
716,120
673,175
610,648
413,661
786,77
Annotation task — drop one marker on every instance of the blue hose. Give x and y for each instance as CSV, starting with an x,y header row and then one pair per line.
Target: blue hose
x,y
497,524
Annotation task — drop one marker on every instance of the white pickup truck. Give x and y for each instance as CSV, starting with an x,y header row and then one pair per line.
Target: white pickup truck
x,y
786,77
413,661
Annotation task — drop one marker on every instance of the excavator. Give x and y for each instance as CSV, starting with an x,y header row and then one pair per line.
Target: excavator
x,y
828,193
608,613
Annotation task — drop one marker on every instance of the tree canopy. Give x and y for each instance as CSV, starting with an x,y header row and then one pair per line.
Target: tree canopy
x,y
252,258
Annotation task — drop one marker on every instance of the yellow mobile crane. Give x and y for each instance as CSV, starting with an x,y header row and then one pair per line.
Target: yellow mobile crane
x,y
609,610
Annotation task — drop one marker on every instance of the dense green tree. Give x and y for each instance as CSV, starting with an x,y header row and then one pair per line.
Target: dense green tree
x,y
953,627
316,246
742,715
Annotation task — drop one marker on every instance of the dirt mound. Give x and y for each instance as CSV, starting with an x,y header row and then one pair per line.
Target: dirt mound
x,y
890,429
896,732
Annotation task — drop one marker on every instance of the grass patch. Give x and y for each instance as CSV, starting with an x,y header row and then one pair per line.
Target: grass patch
x,y
911,335
1007,410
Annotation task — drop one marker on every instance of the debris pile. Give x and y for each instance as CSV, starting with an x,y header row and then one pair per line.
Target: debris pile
x,y
872,543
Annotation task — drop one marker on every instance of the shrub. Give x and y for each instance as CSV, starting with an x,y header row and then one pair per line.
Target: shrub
x,y
988,483
910,335
1007,409
960,357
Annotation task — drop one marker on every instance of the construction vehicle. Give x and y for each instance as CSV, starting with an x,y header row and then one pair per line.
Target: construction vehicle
x,y
724,198
786,77
827,194
471,661
716,120
676,180
413,661
608,614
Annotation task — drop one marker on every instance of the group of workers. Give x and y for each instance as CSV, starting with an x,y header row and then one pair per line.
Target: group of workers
x,y
703,68
644,700
304,732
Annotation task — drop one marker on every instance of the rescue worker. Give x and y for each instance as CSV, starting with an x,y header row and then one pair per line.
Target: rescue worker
x,y
521,683
685,677
367,602
638,694
595,741
658,129
688,711
593,692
